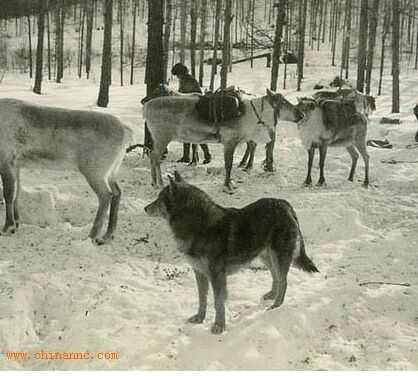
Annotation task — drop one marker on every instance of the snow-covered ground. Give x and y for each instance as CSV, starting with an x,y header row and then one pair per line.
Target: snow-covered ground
x,y
60,293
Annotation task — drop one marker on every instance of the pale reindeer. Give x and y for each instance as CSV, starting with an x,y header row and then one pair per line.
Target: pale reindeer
x,y
91,142
316,132
364,104
175,118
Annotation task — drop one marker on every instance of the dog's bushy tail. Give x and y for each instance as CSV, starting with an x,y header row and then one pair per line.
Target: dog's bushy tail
x,y
303,261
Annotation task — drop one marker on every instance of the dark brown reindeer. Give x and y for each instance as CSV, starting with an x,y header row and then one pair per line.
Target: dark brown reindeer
x,y
91,142
176,118
332,123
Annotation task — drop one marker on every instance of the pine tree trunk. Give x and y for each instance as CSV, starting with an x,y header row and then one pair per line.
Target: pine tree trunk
x,y
348,38
121,36
89,35
252,31
227,41
154,73
362,45
193,34
48,45
40,48
277,47
385,32
81,51
167,31
203,11
183,30
303,5
372,43
30,49
215,44
135,11
395,55
106,70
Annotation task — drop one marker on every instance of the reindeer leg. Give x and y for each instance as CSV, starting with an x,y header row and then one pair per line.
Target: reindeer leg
x,y
245,156
269,153
311,154
102,188
322,155
229,158
249,166
354,157
362,148
113,215
195,155
9,178
155,157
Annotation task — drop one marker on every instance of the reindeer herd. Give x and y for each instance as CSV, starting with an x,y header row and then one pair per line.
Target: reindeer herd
x,y
95,143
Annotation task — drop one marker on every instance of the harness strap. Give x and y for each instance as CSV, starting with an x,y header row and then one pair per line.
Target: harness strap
x,y
260,121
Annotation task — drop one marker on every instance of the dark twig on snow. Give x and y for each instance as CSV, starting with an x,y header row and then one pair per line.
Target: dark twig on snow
x,y
393,161
384,283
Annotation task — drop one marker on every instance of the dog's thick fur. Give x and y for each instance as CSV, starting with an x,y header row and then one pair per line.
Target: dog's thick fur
x,y
217,241
91,142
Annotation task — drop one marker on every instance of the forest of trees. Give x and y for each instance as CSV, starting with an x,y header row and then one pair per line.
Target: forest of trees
x,y
364,38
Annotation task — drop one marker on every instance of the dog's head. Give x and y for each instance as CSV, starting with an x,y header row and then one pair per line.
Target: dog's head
x,y
168,199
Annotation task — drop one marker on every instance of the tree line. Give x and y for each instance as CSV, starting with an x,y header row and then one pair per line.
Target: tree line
x,y
361,35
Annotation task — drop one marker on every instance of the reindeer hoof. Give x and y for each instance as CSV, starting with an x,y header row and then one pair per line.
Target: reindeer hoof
x,y
307,184
269,295
321,184
196,319
9,230
365,185
193,164
183,160
218,328
229,189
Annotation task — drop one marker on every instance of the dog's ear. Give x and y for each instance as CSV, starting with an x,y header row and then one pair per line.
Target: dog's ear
x,y
177,177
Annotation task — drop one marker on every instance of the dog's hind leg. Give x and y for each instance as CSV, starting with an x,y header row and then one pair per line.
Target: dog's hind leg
x,y
9,176
218,282
311,154
354,157
281,258
265,257
202,288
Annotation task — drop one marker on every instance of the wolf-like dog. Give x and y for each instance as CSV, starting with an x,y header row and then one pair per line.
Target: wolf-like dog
x,y
217,241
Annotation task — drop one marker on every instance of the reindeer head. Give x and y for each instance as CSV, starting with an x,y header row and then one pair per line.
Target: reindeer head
x,y
283,109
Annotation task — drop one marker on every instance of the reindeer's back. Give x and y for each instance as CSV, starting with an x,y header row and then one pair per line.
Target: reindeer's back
x,y
58,133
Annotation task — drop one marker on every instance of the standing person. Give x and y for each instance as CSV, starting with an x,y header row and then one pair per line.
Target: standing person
x,y
188,84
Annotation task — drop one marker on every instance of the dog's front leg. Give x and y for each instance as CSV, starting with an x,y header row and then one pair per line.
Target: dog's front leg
x,y
218,281
202,287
